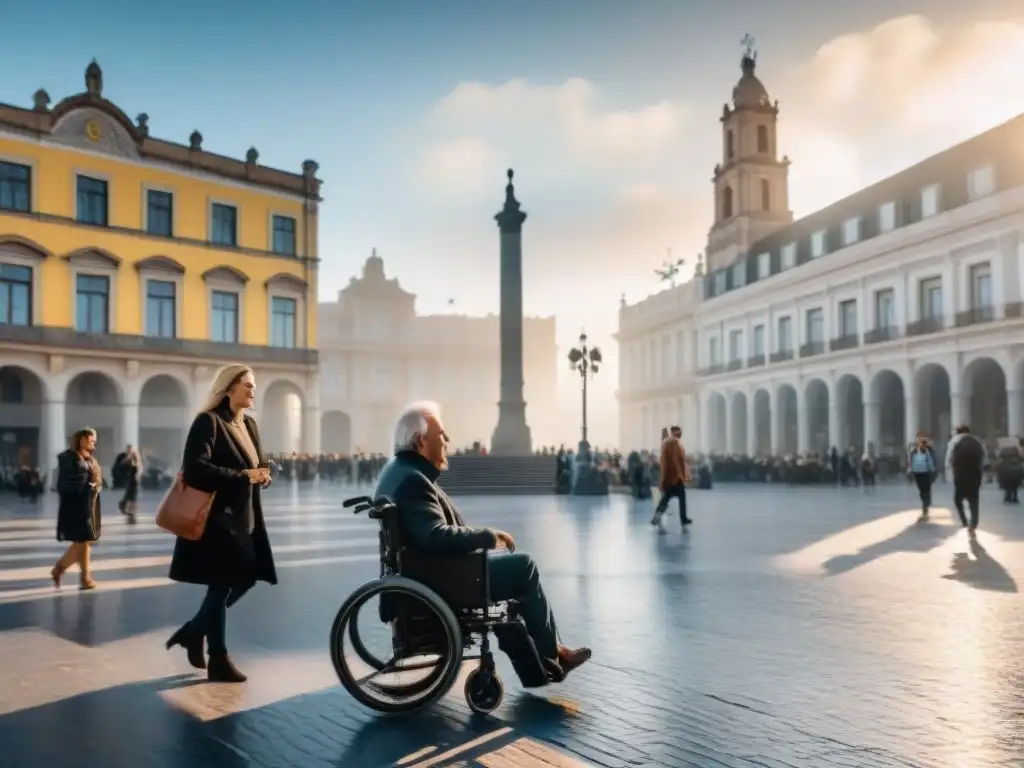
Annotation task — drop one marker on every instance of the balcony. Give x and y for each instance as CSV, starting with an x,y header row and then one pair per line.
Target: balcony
x,y
130,345
925,326
975,316
781,356
812,349
883,334
846,341
711,370
755,361
734,365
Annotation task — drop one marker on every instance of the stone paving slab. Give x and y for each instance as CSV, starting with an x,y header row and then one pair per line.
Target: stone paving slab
x,y
786,627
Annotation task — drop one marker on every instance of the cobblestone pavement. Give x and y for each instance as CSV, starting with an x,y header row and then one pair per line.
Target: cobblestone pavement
x,y
786,627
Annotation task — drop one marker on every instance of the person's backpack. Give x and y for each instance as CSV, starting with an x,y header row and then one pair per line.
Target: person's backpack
x,y
968,455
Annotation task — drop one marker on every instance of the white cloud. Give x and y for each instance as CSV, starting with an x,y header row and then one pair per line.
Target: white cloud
x,y
463,166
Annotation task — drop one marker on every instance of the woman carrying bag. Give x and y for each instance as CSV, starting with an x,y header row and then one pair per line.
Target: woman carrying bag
x,y
79,481
223,546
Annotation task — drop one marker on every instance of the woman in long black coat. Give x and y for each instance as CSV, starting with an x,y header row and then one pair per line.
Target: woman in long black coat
x,y
223,456
79,481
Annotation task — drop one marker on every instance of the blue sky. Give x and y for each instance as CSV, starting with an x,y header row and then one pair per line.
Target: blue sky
x,y
612,127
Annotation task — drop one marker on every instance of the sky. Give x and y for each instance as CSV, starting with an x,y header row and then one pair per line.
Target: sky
x,y
607,110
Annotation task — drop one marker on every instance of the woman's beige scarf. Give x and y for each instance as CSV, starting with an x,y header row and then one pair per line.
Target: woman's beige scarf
x,y
241,433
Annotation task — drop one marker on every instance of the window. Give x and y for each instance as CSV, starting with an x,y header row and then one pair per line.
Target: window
x,y
282,322
718,283
848,318
764,265
92,303
885,309
762,139
929,201
757,341
730,150
784,342
766,195
159,213
981,182
739,274
224,317
714,354
981,286
818,244
735,345
815,326
160,309
787,257
931,299
15,295
727,202
15,187
887,217
92,201
851,231
284,235
225,225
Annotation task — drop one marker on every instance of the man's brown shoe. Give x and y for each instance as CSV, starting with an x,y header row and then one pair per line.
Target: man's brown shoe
x,y
569,659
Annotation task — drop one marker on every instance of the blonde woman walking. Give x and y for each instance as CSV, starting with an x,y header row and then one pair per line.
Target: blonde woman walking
x,y
79,481
223,456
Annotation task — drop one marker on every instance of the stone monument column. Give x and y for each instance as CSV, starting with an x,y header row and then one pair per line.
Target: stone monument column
x,y
512,436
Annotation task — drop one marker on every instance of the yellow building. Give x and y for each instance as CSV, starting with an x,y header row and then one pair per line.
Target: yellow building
x,y
132,267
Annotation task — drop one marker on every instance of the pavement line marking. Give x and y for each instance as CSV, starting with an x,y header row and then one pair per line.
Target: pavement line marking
x,y
146,519
151,530
461,749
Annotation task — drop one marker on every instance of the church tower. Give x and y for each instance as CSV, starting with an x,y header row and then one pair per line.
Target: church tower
x,y
751,183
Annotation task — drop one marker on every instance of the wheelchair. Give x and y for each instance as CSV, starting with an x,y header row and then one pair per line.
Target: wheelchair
x,y
437,610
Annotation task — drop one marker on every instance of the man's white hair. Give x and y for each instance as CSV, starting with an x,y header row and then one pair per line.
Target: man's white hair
x,y
413,422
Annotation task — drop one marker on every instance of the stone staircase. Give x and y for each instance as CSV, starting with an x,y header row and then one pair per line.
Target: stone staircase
x,y
499,475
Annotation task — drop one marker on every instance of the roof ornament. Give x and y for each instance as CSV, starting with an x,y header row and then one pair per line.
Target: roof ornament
x,y
699,270
94,79
749,52
142,124
41,101
195,141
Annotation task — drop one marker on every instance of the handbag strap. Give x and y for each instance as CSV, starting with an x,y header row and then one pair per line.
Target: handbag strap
x,y
181,472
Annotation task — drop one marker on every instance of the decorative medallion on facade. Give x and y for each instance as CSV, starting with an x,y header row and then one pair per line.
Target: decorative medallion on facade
x,y
90,128
92,131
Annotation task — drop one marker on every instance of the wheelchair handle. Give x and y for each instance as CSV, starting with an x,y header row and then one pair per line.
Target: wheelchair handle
x,y
356,500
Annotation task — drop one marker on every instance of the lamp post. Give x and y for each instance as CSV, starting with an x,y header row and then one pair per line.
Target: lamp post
x,y
585,361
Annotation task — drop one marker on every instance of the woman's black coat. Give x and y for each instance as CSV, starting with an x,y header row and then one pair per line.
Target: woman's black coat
x,y
78,514
227,554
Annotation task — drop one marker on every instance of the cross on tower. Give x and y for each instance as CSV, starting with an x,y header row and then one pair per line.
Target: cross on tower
x,y
748,43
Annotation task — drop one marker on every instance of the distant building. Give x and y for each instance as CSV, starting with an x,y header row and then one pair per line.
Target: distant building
x,y
377,354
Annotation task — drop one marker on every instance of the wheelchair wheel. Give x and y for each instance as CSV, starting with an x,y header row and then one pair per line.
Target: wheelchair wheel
x,y
484,691
399,676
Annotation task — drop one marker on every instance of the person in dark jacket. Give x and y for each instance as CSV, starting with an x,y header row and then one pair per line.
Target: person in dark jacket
x,y
1011,472
223,456
79,481
130,467
434,526
967,459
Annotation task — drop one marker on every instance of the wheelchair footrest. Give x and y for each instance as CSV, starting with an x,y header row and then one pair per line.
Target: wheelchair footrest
x,y
515,643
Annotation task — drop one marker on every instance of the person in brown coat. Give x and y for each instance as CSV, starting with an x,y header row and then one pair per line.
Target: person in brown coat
x,y
673,478
79,481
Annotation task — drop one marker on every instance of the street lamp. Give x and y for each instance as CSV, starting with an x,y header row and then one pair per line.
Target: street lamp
x,y
586,361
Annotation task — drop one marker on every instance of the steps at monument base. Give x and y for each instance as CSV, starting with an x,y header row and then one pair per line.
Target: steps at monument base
x,y
499,475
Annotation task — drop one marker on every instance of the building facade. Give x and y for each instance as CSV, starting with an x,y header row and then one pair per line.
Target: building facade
x,y
377,354
131,268
894,310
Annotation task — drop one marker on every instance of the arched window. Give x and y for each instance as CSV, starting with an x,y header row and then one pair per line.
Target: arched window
x,y
727,203
762,139
730,150
766,195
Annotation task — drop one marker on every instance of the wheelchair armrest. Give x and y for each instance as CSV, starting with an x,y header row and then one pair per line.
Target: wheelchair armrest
x,y
461,580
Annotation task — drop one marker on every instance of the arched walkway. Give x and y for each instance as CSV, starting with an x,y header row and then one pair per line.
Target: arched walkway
x,y
787,421
762,422
888,401
932,396
336,432
716,441
21,416
281,417
738,424
850,402
163,420
816,404
985,399
92,401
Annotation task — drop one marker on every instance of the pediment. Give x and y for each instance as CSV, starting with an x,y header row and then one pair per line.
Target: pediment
x,y
161,264
22,248
93,257
285,280
94,129
226,274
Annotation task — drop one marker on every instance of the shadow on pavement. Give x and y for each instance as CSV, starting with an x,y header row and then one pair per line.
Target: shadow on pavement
x,y
978,569
920,537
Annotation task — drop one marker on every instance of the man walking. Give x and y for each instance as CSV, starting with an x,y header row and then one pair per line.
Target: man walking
x,y
966,459
672,482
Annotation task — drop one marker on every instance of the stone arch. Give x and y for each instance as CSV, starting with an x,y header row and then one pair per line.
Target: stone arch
x,y
336,432
887,420
817,401
164,420
850,402
280,414
932,398
738,427
227,274
787,417
162,263
717,440
94,399
22,397
985,398
762,425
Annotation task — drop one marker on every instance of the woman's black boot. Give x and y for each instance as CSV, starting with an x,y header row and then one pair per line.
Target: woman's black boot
x,y
221,670
191,639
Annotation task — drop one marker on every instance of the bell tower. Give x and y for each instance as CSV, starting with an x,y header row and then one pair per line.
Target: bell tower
x,y
751,185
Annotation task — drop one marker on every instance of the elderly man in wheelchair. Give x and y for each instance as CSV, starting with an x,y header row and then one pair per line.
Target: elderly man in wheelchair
x,y
441,583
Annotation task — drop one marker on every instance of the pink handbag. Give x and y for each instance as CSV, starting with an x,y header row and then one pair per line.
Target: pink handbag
x,y
184,510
